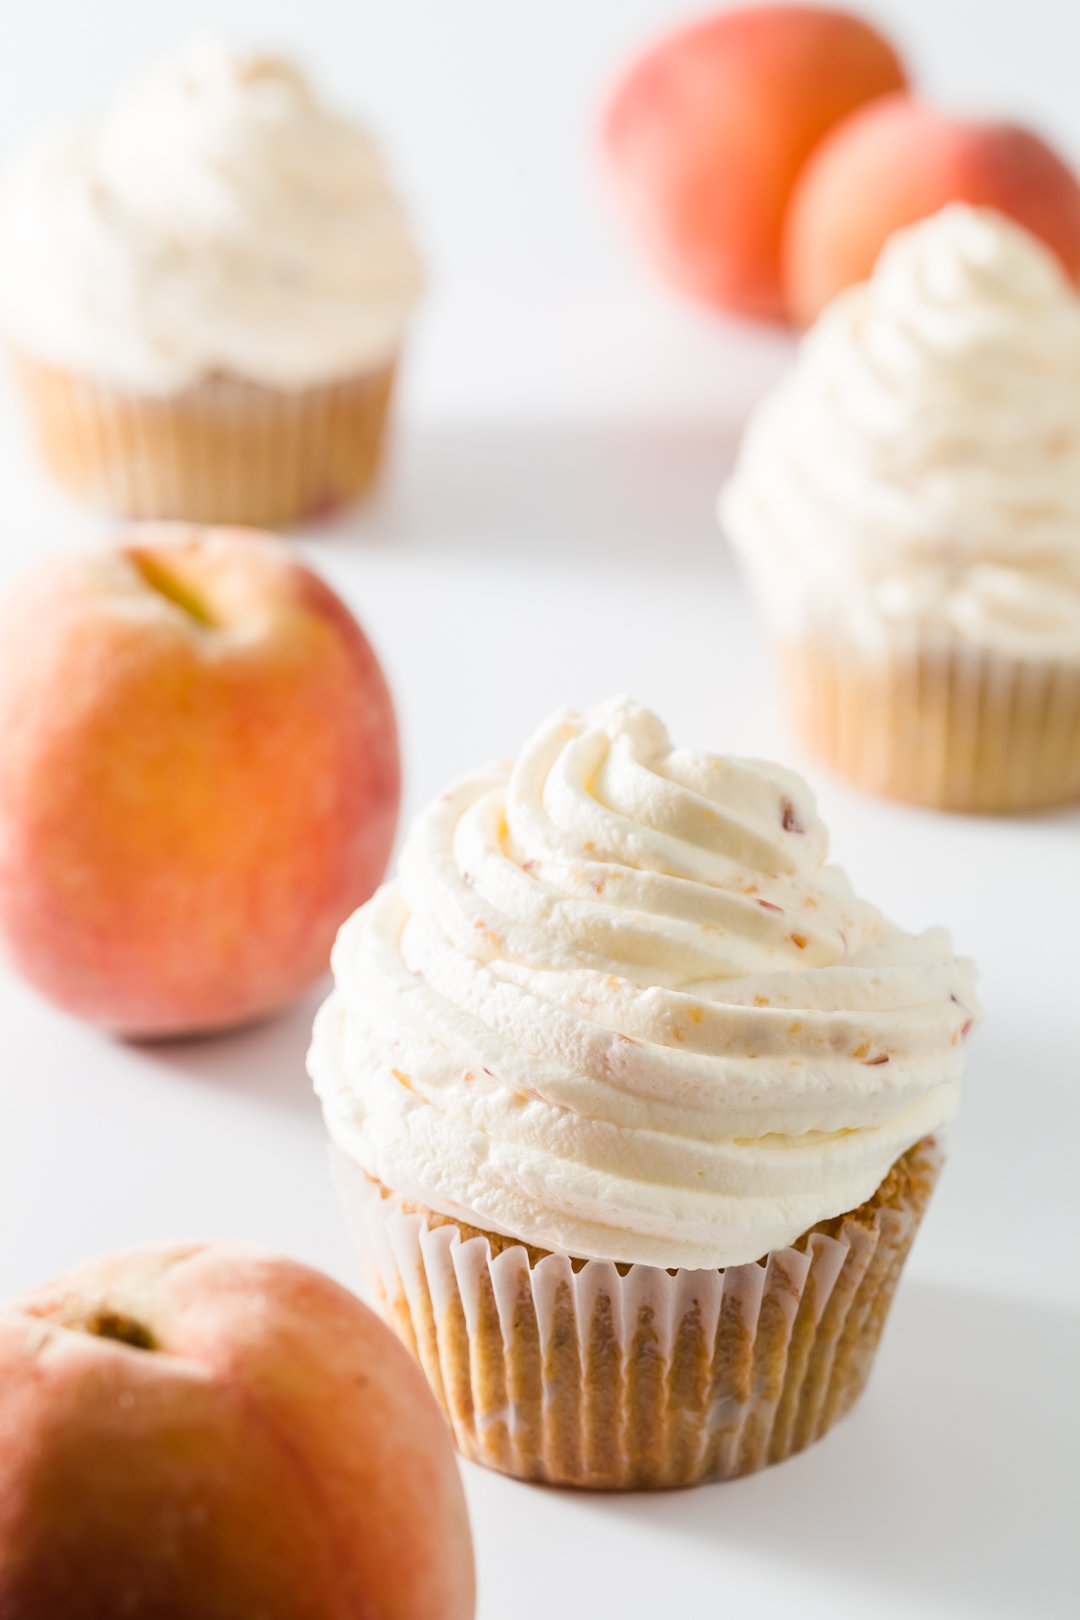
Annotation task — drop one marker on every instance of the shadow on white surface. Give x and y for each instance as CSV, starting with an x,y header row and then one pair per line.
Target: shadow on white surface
x,y
263,1062
953,1482
630,492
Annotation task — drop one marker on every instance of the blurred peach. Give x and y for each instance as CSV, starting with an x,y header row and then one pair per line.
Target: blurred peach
x,y
894,162
218,1432
707,132
198,778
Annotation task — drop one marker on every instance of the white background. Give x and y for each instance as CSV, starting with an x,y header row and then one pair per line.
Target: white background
x,y
546,536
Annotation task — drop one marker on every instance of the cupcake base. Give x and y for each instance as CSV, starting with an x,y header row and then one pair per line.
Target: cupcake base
x,y
223,451
953,730
588,1374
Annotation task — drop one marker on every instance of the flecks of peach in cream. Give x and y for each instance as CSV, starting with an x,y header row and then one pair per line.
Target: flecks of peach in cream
x,y
618,1004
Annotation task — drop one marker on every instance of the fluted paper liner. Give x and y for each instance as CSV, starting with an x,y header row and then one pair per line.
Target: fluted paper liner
x,y
631,1377
958,730
223,451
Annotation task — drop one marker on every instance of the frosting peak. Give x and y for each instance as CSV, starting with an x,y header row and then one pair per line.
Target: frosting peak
x,y
619,1004
972,261
919,469
220,218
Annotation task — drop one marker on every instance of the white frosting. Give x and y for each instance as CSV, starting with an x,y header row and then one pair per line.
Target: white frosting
x,y
219,220
918,472
617,1005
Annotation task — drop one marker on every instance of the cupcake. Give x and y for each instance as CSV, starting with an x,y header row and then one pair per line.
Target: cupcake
x,y
634,1107
205,296
907,505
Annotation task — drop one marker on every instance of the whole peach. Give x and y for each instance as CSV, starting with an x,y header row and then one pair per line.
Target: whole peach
x,y
895,162
707,132
198,778
211,1431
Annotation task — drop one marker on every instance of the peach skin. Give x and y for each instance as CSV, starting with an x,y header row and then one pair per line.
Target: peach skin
x,y
895,162
217,1432
198,778
706,134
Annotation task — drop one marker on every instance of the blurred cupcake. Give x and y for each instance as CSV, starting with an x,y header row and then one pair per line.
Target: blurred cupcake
x,y
206,295
907,504
633,1107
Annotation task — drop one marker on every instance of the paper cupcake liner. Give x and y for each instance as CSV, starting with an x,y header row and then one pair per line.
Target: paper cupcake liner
x,y
631,1377
957,730
224,451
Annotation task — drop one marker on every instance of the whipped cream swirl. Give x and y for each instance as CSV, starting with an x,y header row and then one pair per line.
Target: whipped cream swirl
x,y
219,220
617,1004
918,472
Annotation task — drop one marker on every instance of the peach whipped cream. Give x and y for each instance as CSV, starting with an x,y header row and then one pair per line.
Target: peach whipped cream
x,y
617,1004
219,220
917,474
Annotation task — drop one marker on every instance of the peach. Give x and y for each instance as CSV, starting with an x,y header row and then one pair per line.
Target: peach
x,y
214,1431
707,132
198,778
896,161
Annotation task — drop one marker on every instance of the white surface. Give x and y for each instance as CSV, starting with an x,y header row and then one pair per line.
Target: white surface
x,y
547,536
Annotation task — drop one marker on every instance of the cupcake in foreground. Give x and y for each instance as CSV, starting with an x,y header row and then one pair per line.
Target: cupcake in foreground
x,y
633,1106
205,295
907,504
